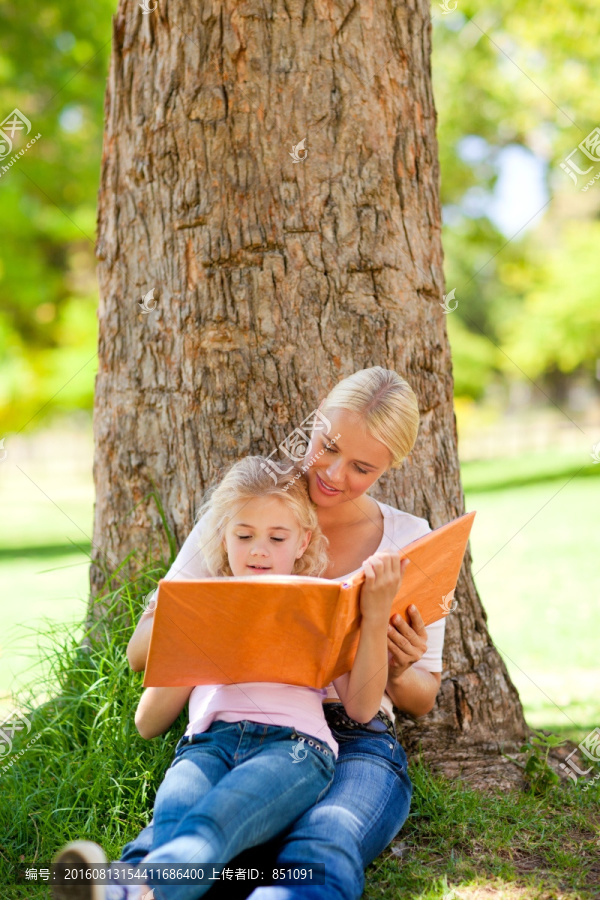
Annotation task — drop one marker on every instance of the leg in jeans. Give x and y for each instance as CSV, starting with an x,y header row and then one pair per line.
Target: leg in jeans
x,y
361,813
263,857
134,852
259,797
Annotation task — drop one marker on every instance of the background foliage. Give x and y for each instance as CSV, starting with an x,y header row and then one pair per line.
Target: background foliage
x,y
508,79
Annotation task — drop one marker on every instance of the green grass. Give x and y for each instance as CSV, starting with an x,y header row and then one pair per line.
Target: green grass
x,y
529,468
536,568
91,776
38,587
505,845
89,773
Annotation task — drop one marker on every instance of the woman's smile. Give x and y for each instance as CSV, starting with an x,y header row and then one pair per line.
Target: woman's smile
x,y
327,489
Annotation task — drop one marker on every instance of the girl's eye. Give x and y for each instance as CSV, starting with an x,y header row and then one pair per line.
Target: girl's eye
x,y
330,449
362,471
244,537
277,539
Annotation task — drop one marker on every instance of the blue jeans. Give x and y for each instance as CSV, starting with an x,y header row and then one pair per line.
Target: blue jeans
x,y
363,811
230,788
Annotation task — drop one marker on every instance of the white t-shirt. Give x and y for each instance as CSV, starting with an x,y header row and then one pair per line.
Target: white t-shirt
x,y
399,529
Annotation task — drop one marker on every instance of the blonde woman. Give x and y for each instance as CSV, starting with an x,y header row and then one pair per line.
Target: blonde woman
x,y
374,417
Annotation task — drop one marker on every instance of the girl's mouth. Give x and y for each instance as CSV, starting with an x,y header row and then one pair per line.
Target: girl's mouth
x,y
329,491
260,568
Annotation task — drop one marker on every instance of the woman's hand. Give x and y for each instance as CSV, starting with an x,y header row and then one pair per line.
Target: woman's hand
x,y
406,643
383,576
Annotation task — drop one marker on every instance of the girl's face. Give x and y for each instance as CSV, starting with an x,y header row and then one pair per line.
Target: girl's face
x,y
263,537
347,468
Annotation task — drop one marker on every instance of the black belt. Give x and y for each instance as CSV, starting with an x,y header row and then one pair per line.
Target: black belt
x,y
338,718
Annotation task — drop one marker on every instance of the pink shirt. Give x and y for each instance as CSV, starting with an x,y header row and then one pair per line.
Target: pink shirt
x,y
288,704
261,701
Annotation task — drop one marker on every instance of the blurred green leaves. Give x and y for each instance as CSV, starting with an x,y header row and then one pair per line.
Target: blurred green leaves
x,y
518,74
53,65
511,74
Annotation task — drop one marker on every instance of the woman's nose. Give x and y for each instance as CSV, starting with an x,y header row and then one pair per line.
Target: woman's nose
x,y
334,471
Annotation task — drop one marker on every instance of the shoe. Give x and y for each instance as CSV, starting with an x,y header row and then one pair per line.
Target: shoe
x,y
81,854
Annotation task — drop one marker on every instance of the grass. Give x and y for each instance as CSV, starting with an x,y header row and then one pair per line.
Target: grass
x,y
526,469
42,586
513,846
91,775
536,569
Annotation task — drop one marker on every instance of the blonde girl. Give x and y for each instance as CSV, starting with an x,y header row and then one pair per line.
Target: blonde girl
x,y
234,782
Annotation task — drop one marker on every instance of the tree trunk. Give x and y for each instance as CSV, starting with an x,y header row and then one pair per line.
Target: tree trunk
x,y
274,278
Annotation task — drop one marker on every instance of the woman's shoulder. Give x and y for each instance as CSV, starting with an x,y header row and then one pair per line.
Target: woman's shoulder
x,y
403,524
190,563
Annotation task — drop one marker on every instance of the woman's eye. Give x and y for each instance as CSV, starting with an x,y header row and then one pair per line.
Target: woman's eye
x,y
244,537
362,471
330,449
277,539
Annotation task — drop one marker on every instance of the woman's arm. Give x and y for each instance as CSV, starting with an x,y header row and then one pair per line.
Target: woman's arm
x,y
415,691
361,689
411,690
189,564
137,648
158,709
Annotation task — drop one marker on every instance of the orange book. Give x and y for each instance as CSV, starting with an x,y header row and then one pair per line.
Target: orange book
x,y
288,628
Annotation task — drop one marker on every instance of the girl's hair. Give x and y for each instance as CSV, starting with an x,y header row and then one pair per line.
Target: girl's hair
x,y
253,477
386,402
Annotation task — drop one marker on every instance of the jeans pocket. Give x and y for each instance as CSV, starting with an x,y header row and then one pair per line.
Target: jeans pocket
x,y
308,742
325,790
381,749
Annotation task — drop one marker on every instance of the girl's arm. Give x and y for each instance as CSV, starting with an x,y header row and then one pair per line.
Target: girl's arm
x,y
158,709
361,689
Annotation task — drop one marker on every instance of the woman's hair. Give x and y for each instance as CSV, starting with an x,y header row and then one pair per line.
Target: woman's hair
x,y
254,477
387,404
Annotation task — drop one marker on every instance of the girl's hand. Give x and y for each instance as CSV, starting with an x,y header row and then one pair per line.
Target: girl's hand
x,y
406,644
383,576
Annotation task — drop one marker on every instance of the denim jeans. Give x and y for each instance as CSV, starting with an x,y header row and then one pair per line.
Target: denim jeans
x,y
230,788
362,812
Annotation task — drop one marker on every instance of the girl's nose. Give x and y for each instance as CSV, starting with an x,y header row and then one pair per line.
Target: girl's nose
x,y
259,550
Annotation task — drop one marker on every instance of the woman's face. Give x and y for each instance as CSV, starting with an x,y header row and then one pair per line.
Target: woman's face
x,y
349,466
264,538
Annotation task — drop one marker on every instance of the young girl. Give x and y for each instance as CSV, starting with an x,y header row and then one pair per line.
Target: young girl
x,y
234,782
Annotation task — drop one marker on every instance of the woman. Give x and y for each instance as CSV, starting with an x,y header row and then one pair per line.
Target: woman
x,y
374,416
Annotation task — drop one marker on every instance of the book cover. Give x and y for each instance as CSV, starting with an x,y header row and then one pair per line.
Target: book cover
x,y
288,628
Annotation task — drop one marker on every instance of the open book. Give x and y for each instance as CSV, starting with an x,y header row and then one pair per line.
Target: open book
x,y
288,628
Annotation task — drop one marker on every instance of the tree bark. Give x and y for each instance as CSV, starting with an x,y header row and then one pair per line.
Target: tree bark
x,y
274,279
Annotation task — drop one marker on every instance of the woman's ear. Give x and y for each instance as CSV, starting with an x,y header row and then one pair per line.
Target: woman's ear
x,y
304,544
